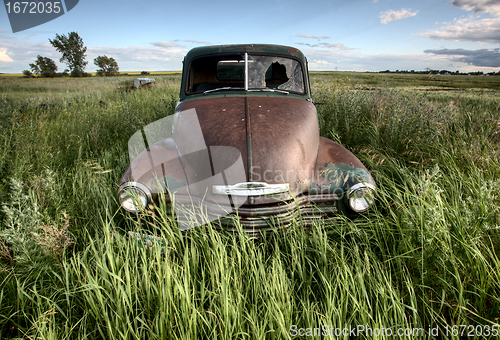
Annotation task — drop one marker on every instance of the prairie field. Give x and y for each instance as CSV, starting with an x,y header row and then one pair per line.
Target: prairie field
x,y
424,263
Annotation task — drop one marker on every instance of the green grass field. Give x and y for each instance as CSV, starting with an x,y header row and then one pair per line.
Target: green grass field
x,y
425,259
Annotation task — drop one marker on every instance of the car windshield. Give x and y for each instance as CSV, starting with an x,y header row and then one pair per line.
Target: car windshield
x,y
227,72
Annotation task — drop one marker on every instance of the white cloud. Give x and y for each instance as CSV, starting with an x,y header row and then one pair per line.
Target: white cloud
x,y
324,62
336,46
307,36
140,58
389,16
329,60
326,45
478,6
130,58
165,44
198,42
472,28
325,56
19,53
484,30
482,57
4,58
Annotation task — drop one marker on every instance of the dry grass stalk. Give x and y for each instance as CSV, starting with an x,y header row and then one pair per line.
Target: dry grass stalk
x,y
56,238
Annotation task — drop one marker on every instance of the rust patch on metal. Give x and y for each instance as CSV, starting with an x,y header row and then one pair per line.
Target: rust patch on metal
x,y
331,152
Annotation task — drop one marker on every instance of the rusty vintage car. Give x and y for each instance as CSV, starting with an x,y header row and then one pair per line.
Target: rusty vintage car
x,y
243,147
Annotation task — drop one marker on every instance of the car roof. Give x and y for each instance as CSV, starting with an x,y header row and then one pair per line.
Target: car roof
x,y
250,48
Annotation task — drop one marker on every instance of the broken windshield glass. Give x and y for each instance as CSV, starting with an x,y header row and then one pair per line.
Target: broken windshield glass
x,y
275,73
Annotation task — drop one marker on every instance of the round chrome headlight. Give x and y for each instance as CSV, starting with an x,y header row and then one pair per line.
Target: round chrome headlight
x,y
133,196
360,196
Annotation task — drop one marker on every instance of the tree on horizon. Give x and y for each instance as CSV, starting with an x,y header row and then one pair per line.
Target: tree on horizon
x,y
73,52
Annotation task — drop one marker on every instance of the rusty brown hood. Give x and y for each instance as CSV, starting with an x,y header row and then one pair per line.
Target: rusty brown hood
x,y
277,137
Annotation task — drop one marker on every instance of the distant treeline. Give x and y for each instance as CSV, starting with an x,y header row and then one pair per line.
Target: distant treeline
x,y
445,72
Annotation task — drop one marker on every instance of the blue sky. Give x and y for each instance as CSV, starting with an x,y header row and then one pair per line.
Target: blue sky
x,y
356,35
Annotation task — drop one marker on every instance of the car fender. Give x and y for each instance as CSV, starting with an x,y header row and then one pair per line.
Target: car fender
x,y
337,169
